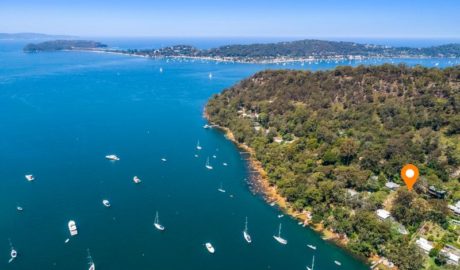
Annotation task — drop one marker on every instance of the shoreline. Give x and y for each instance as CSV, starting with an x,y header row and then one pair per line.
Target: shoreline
x,y
275,60
271,196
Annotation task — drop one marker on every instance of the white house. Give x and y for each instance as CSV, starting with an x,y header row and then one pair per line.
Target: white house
x,y
424,244
383,214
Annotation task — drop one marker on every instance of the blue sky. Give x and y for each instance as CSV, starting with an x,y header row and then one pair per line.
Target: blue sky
x,y
238,18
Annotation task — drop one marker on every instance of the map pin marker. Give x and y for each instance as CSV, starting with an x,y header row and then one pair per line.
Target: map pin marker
x,y
409,174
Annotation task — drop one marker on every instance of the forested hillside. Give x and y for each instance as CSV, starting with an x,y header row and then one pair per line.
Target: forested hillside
x,y
331,140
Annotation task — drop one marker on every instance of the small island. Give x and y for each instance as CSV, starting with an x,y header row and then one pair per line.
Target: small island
x,y
329,147
299,51
60,45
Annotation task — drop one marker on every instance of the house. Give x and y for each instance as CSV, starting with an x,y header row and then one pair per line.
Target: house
x,y
424,244
392,185
436,193
454,208
383,214
278,139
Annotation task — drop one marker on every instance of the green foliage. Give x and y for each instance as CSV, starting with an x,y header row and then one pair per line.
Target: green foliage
x,y
352,129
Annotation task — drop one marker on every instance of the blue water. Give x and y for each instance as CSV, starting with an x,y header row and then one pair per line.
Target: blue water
x,y
61,113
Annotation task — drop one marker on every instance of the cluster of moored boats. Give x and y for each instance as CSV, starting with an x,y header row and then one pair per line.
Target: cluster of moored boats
x,y
73,230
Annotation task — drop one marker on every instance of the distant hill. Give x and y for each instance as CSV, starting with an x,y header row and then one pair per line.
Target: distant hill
x,y
58,45
32,36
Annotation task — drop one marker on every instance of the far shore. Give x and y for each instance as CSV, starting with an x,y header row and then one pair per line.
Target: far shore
x,y
252,60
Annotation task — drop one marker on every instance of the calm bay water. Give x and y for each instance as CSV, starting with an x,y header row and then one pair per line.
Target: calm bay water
x,y
61,113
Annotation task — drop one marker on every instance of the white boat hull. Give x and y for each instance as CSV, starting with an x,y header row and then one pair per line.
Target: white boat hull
x,y
280,240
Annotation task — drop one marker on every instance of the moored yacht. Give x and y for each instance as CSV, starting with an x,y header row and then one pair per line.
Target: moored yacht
x,y
157,224
221,188
13,253
312,247
72,228
338,263
312,264
136,180
210,248
91,264
198,146
246,235
19,208
29,177
106,203
112,157
278,237
208,166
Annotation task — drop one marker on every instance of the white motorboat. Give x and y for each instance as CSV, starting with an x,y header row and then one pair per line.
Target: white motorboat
x,y
246,235
278,237
112,157
312,247
208,166
206,126
164,159
19,208
225,164
157,224
106,203
210,75
29,177
67,240
136,180
312,264
72,228
338,263
210,248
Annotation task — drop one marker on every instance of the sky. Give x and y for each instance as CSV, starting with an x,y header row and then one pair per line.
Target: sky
x,y
236,18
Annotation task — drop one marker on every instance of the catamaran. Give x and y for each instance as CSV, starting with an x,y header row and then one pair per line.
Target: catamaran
x,y
210,248
29,177
246,235
157,223
221,189
208,166
198,146
72,228
91,264
106,203
136,180
278,237
312,264
112,157
13,253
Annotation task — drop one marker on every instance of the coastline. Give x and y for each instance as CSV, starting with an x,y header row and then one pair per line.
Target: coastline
x,y
271,195
245,60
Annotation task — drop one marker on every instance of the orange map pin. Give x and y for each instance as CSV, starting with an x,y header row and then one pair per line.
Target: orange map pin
x,y
409,174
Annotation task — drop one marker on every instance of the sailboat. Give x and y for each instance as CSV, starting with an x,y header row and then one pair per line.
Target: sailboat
x,y
198,146
312,264
311,246
157,224
221,189
278,237
208,166
91,264
13,253
246,235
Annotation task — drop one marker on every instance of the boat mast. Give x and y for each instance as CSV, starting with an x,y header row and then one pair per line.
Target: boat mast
x,y
279,231
246,225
